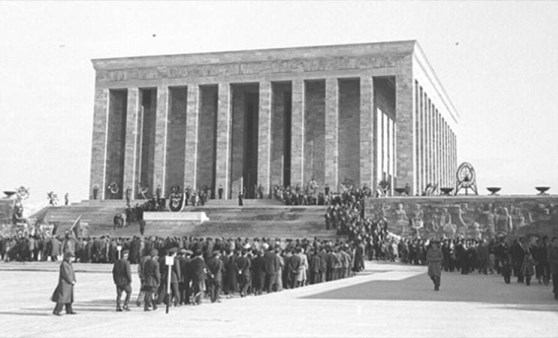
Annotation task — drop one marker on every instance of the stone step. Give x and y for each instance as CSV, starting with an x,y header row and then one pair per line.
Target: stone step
x,y
246,202
224,220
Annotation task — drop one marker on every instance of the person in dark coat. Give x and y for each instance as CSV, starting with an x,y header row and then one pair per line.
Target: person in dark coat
x,y
243,264
215,276
56,249
185,278
152,277
293,267
314,270
272,266
434,258
135,254
63,295
198,270
231,274
176,275
258,271
122,277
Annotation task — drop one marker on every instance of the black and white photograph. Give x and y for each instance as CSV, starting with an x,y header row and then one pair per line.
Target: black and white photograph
x,y
278,168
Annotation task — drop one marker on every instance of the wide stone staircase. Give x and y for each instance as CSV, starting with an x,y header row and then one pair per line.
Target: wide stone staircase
x,y
257,218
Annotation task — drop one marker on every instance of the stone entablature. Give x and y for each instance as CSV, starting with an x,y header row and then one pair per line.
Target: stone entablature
x,y
259,69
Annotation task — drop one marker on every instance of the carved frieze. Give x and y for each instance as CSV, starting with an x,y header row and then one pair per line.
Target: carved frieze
x,y
252,68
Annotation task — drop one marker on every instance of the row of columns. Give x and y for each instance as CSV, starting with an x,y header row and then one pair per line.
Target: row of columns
x,y
436,146
370,143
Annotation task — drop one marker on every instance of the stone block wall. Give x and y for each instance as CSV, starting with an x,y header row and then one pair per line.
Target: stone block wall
x,y
349,131
176,138
99,143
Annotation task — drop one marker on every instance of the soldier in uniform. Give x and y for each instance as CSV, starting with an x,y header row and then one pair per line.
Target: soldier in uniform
x,y
122,277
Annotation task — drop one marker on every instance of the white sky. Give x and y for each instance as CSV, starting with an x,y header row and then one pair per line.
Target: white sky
x,y
497,61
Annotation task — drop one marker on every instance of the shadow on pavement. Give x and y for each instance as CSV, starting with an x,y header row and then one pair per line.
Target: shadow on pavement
x,y
16,313
97,305
455,287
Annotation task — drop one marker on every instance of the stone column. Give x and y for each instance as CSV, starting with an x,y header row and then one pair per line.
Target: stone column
x,y
161,126
297,134
455,158
428,138
436,145
99,143
381,145
224,130
430,143
367,132
445,155
439,154
332,133
404,108
418,134
264,138
192,120
131,143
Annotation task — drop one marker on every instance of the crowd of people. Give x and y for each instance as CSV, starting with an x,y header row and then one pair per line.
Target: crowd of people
x,y
212,267
310,195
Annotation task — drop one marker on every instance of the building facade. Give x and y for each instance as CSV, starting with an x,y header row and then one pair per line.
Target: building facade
x,y
355,114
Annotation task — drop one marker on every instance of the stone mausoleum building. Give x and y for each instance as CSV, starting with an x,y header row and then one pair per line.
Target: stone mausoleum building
x,y
356,113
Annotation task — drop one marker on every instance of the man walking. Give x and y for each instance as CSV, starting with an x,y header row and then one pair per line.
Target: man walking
x,y
122,276
63,295
434,258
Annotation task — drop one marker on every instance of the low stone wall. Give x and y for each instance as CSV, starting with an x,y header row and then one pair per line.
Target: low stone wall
x,y
467,216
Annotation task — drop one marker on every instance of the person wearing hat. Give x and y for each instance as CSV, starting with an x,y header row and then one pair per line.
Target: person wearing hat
x,y
215,281
198,270
434,258
152,276
122,276
184,278
63,295
175,277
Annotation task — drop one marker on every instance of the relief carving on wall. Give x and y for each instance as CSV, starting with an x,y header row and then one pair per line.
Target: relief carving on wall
x,y
252,68
469,220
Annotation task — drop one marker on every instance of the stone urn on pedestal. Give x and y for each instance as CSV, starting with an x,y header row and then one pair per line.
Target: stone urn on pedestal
x,y
542,190
493,190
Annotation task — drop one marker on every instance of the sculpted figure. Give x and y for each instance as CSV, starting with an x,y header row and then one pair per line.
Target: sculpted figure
x,y
450,230
402,220
417,221
503,222
474,231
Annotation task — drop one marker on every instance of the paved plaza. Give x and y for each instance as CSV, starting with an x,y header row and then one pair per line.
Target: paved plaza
x,y
384,300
